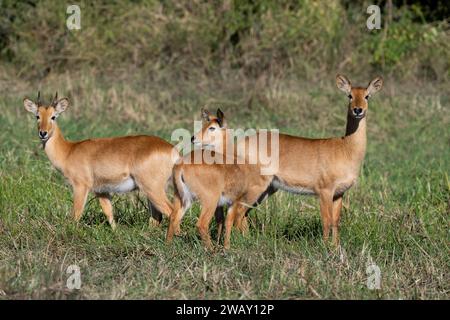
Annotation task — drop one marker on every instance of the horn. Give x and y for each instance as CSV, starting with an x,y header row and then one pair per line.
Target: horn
x,y
55,99
39,98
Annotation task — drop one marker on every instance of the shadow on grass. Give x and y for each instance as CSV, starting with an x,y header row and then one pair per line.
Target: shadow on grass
x,y
293,229
310,229
126,212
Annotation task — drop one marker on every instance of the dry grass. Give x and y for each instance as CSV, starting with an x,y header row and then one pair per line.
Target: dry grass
x,y
397,215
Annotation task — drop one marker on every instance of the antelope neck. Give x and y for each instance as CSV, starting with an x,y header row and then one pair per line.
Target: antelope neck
x,y
57,148
355,136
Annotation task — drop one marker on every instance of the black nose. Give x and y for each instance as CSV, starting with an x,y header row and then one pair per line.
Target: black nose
x,y
192,139
357,111
42,134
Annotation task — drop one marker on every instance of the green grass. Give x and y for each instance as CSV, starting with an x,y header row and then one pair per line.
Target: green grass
x,y
396,216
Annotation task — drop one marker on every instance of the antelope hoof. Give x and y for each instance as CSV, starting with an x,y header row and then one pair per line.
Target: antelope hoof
x,y
336,243
154,223
209,246
179,233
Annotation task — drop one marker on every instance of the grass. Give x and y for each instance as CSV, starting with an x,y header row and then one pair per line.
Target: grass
x,y
305,38
397,216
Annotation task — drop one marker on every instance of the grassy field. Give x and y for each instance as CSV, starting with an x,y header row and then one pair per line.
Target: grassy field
x,y
397,216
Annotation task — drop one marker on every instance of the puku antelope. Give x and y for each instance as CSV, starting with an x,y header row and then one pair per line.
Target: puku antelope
x,y
215,185
106,165
221,141
327,167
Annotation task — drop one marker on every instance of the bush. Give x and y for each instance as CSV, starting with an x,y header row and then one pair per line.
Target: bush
x,y
302,38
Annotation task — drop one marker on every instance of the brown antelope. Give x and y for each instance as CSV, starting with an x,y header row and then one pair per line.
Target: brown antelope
x,y
214,184
327,167
106,165
221,141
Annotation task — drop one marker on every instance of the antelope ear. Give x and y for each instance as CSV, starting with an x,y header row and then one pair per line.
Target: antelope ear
x,y
221,118
61,105
30,106
343,83
375,85
206,115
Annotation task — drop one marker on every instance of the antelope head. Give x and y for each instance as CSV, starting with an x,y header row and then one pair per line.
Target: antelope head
x,y
46,114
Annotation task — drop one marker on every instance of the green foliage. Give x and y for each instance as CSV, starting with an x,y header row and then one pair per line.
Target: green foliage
x,y
402,45
302,38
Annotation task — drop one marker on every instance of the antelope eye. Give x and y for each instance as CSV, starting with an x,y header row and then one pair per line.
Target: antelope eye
x,y
366,97
53,117
212,128
37,117
350,97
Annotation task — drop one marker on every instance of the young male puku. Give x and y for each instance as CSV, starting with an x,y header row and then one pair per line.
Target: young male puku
x,y
221,140
328,167
214,185
106,165
213,136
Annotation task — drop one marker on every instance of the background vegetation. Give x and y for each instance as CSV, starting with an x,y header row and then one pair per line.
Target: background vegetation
x,y
148,67
186,38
